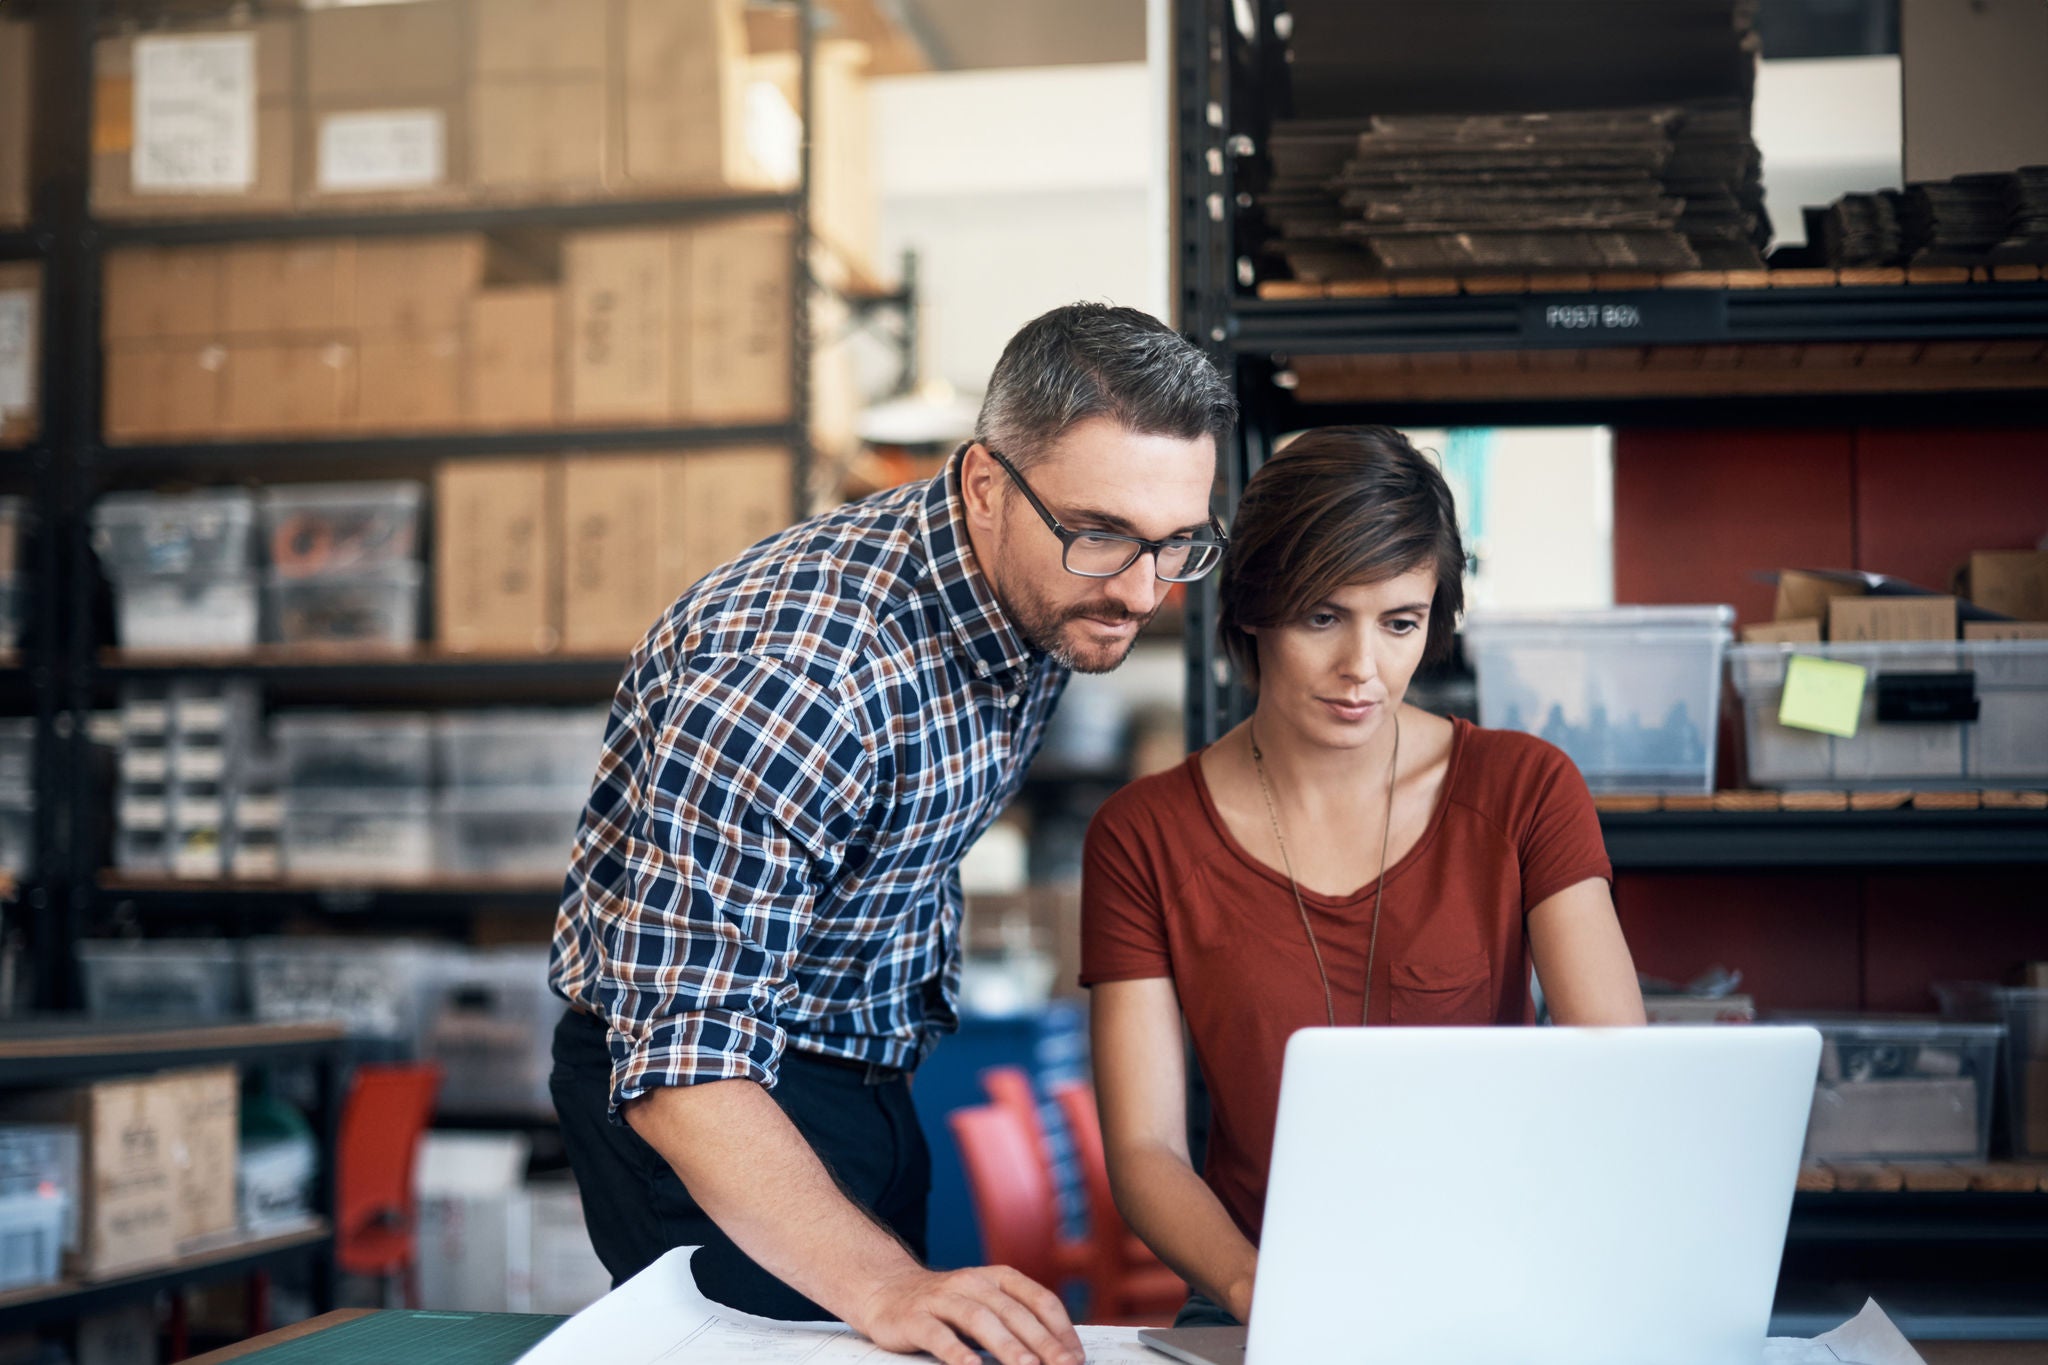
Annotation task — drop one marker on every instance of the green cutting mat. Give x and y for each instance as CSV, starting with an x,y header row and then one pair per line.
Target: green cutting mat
x,y
415,1338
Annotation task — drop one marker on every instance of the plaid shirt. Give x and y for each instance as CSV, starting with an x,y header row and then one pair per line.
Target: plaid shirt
x,y
802,749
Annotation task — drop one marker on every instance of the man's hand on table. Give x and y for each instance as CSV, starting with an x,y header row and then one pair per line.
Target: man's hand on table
x,y
1008,1314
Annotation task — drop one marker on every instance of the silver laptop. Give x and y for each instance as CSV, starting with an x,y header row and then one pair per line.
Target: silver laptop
x,y
1524,1196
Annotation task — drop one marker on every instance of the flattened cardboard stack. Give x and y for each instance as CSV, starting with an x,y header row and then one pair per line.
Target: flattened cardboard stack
x,y
1971,220
1426,165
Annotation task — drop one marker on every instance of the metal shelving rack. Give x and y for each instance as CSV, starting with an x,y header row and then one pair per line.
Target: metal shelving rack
x,y
67,666
1223,77
1223,73
67,1053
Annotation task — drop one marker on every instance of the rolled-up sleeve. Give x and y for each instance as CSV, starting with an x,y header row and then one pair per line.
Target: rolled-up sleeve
x,y
751,785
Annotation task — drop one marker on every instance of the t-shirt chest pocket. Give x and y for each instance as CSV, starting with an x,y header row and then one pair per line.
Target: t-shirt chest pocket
x,y
1452,991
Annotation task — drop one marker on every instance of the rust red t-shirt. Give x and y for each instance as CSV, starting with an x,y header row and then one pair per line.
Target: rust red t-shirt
x,y
1168,892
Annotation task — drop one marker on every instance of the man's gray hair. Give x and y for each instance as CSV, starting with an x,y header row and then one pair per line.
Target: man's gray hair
x,y
1093,360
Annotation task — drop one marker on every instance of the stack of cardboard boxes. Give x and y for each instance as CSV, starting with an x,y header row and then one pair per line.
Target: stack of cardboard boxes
x,y
389,335
533,556
1840,608
439,101
157,1166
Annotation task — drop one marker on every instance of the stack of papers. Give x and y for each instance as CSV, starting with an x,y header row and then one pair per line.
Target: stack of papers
x,y
660,1316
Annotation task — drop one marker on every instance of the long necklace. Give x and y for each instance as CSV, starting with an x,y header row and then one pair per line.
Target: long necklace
x,y
1379,885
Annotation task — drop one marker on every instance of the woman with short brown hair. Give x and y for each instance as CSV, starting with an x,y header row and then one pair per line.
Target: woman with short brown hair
x,y
1340,857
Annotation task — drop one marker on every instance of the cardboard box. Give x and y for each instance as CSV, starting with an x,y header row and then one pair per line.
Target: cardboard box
x,y
734,356
418,285
2035,1084
385,52
208,1104
409,382
845,214
21,335
386,99
497,557
128,1186
612,586
716,504
1852,619
288,388
540,38
152,293
680,100
196,120
474,1235
567,1276
1806,595
165,390
283,289
538,132
16,94
2011,582
1803,631
618,364
512,377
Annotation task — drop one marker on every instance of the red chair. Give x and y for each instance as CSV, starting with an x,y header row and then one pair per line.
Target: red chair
x,y
382,1122
1009,1088
1012,1191
1126,1281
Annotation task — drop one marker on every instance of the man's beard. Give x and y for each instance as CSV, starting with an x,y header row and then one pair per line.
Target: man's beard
x,y
1043,626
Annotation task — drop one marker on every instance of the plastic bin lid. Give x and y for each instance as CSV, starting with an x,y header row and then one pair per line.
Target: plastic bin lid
x,y
212,499
1713,617
1897,1028
409,491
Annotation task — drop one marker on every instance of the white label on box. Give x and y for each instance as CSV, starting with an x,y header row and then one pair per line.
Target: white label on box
x,y
145,765
17,348
195,113
390,149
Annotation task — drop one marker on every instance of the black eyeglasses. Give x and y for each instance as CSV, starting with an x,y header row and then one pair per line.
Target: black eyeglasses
x,y
1104,554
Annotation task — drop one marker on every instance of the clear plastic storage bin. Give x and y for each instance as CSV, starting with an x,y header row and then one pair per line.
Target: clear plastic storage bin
x,y
17,754
520,748
321,530
2006,745
375,989
509,833
31,1238
492,1031
378,607
43,1159
206,535
193,611
1631,694
370,836
13,600
2026,1067
1902,1088
348,751
17,834
197,979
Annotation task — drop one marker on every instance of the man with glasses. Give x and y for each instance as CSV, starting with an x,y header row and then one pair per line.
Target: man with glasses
x,y
759,936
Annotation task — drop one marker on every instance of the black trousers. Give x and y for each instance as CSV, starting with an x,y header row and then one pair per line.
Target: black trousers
x,y
862,1127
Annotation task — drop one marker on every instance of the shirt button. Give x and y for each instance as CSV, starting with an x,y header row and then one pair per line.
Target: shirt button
x,y
1012,700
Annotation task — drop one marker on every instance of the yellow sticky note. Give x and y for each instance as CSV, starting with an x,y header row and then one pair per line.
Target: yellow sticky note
x,y
1823,695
